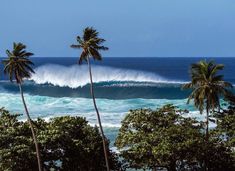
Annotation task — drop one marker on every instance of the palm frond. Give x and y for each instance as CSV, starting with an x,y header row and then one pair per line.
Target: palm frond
x,y
76,46
95,54
91,45
207,85
18,65
187,86
83,57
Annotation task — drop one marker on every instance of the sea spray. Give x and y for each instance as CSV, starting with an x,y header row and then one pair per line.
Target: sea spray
x,y
77,76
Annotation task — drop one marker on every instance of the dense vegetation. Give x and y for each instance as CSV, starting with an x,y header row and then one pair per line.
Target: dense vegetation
x,y
66,143
163,138
148,139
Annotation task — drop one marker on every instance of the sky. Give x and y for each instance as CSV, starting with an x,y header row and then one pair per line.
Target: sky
x,y
132,28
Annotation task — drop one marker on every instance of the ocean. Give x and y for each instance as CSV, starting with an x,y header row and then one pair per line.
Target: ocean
x,y
61,87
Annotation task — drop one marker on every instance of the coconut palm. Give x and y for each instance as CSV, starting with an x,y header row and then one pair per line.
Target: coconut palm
x,y
18,67
207,87
91,44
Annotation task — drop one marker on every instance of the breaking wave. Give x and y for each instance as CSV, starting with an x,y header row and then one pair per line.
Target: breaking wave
x,y
77,76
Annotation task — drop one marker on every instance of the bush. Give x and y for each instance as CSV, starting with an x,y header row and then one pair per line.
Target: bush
x,y
164,139
66,143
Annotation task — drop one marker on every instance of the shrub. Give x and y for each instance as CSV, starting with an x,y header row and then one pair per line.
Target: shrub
x,y
66,143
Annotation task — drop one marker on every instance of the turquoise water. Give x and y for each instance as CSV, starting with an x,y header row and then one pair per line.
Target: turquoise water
x,y
59,87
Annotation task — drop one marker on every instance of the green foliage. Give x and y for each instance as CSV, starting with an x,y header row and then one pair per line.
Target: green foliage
x,y
66,143
16,144
220,156
17,65
207,85
226,127
226,122
91,44
162,138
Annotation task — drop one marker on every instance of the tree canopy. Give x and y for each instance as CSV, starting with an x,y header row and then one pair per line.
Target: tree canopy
x,y
207,85
163,138
91,44
18,65
66,143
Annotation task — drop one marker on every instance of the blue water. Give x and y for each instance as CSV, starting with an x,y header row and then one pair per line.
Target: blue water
x,y
61,87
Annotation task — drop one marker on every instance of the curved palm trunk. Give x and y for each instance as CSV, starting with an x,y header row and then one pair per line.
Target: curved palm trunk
x,y
98,116
207,136
32,130
207,123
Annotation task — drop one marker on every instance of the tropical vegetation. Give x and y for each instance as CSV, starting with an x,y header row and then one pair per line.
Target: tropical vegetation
x,y
162,138
91,44
165,139
67,144
18,67
208,86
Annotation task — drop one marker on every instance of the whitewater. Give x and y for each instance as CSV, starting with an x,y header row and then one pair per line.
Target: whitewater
x,y
112,111
59,88
77,76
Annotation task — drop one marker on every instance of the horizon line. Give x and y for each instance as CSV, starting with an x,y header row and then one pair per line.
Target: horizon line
x,y
134,57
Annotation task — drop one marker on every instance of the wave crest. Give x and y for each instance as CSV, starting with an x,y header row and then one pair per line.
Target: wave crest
x,y
77,76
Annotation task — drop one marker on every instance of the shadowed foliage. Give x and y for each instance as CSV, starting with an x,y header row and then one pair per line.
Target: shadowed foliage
x,y
163,138
226,122
67,144
159,139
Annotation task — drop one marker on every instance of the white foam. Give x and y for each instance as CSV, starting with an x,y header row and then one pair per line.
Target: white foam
x,y
108,125
77,76
112,111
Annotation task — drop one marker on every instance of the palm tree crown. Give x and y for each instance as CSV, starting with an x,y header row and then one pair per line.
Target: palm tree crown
x,y
17,64
90,44
207,85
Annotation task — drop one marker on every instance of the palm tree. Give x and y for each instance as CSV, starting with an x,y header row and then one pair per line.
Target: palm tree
x,y
18,67
207,87
91,44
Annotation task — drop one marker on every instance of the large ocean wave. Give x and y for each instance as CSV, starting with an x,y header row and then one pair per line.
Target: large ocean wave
x,y
77,76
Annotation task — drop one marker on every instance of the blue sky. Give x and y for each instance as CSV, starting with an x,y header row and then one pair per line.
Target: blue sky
x,y
132,28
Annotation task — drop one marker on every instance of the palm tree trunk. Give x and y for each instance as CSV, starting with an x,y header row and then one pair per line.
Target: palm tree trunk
x,y
154,169
207,136
98,116
32,130
207,123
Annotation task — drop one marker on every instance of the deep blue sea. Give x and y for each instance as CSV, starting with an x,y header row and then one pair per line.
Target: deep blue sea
x,y
61,87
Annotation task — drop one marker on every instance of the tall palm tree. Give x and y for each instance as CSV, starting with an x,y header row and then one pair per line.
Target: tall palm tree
x,y
207,88
18,67
91,44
